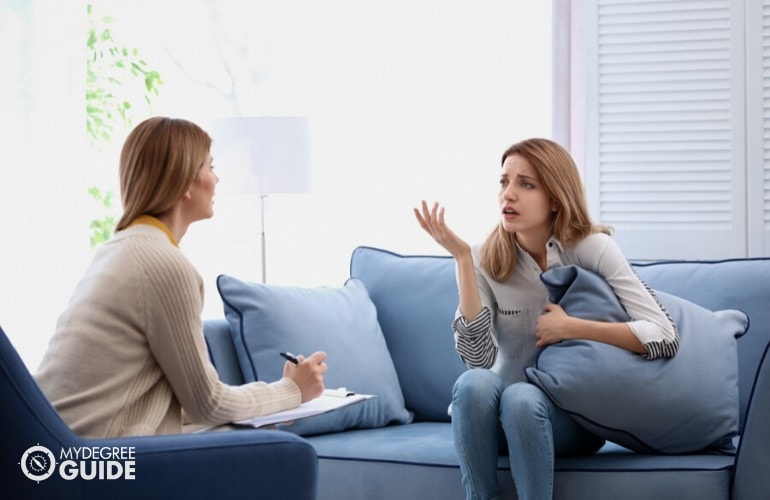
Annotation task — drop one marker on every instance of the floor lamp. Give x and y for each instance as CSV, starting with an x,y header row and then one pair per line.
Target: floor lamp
x,y
261,155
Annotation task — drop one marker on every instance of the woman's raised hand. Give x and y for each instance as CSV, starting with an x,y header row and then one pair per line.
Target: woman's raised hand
x,y
432,221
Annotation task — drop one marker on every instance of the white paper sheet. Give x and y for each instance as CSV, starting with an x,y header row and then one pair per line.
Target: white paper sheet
x,y
330,400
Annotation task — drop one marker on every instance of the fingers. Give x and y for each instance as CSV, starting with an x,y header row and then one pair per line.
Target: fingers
x,y
550,307
316,364
309,375
437,215
420,219
317,357
429,217
426,218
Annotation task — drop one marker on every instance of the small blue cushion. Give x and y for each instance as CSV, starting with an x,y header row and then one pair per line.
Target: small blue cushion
x,y
268,319
677,405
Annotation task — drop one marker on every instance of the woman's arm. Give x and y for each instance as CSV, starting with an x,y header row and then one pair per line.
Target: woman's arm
x,y
474,339
650,332
555,325
173,300
432,221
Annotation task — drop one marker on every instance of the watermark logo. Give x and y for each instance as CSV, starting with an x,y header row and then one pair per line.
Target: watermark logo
x,y
90,463
38,463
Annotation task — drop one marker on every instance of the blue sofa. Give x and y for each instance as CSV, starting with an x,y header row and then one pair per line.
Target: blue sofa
x,y
415,299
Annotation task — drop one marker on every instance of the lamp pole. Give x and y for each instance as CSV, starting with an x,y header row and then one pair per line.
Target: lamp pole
x,y
269,154
262,234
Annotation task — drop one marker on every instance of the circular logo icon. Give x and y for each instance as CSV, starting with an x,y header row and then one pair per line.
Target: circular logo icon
x,y
38,463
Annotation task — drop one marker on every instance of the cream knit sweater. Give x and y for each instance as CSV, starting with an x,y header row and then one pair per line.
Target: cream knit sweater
x,y
128,353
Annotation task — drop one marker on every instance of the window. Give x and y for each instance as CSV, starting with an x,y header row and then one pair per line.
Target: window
x,y
675,130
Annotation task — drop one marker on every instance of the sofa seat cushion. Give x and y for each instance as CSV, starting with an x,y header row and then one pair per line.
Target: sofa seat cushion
x,y
431,443
341,321
418,460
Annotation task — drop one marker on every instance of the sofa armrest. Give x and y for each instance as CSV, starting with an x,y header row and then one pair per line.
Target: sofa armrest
x,y
752,462
222,351
241,463
230,464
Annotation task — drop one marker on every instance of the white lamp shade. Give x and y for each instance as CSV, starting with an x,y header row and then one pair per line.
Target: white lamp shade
x,y
261,154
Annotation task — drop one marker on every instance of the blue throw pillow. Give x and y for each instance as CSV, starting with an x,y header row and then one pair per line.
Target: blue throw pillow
x,y
677,405
416,300
268,319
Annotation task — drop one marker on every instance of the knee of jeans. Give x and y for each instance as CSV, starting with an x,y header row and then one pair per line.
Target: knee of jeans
x,y
477,382
522,400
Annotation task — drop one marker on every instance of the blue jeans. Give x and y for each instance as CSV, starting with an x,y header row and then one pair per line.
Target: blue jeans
x,y
488,417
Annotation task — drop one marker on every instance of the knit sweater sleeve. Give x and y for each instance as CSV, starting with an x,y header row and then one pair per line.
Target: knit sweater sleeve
x,y
173,301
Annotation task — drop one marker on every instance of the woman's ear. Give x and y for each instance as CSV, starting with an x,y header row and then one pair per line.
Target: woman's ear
x,y
187,195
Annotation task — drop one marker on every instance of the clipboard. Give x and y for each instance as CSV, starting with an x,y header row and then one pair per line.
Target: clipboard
x,y
330,400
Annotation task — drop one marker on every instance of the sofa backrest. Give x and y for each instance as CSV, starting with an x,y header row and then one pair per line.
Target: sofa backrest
x,y
416,298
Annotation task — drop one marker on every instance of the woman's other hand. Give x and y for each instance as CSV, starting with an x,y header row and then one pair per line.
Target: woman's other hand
x,y
552,325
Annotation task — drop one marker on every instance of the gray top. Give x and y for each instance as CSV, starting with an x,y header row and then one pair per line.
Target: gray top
x,y
502,337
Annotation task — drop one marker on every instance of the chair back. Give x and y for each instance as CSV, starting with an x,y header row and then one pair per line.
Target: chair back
x,y
27,420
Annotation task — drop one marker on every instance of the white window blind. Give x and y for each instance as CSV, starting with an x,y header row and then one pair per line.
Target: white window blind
x,y
665,133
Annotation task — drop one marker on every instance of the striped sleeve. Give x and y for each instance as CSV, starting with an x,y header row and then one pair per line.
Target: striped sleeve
x,y
474,341
650,322
666,347
661,349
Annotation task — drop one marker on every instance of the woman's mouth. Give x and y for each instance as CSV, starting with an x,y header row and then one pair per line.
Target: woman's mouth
x,y
509,213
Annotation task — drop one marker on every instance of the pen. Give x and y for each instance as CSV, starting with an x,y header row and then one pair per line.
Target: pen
x,y
290,357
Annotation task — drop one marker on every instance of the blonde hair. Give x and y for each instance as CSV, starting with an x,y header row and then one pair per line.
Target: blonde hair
x,y
159,161
561,181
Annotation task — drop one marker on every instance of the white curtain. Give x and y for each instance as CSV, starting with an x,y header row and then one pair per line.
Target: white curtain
x,y
568,99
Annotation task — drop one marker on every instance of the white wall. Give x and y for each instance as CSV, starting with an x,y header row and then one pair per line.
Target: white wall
x,y
43,185
406,100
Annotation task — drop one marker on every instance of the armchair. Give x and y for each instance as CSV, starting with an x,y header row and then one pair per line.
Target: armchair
x,y
41,457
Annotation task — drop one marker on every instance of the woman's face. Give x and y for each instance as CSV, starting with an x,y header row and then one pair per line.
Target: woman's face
x,y
202,192
526,209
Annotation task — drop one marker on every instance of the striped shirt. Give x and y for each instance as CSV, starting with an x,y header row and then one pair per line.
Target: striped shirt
x,y
502,337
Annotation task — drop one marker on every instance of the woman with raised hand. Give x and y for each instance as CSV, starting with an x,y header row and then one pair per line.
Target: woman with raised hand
x,y
504,319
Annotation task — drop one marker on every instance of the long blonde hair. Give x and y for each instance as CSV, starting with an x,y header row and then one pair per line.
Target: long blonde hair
x,y
561,181
159,161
